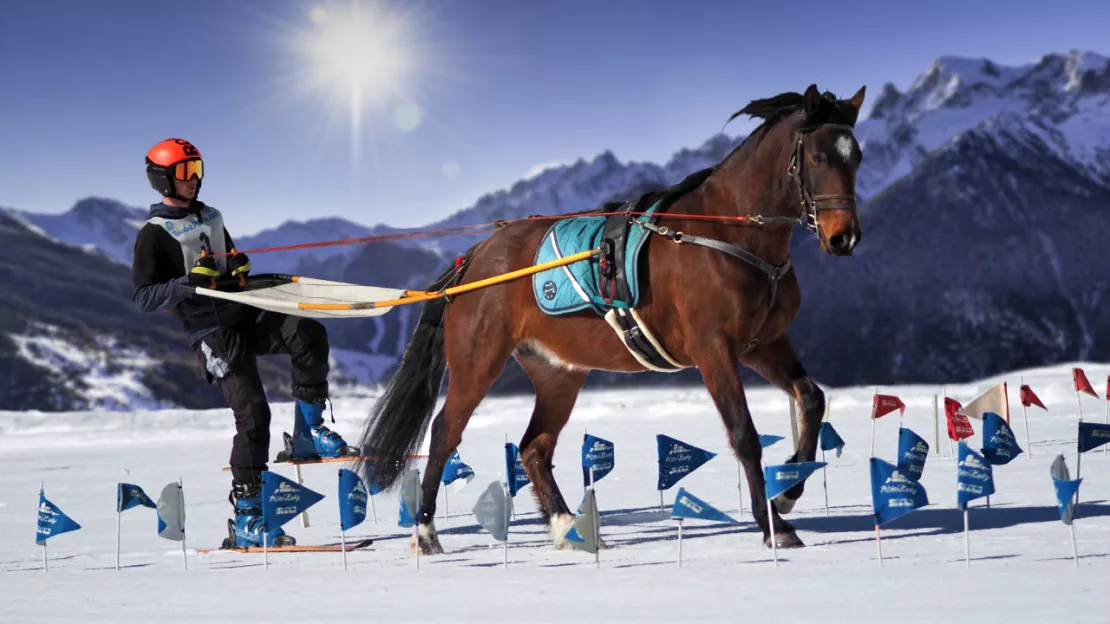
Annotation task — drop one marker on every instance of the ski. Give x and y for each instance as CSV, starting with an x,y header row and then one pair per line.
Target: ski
x,y
298,548
324,460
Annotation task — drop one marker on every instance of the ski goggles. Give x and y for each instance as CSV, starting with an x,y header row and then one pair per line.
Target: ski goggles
x,y
188,169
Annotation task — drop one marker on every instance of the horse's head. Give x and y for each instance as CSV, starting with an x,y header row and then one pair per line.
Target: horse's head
x,y
823,168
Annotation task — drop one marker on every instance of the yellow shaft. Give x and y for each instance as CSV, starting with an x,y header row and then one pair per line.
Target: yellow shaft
x,y
416,296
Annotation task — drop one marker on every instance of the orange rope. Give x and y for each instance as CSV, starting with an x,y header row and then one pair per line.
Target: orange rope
x,y
482,228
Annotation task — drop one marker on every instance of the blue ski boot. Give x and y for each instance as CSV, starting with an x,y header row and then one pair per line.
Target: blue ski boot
x,y
245,531
311,439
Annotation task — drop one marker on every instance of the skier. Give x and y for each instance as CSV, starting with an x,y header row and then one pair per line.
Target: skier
x,y
183,245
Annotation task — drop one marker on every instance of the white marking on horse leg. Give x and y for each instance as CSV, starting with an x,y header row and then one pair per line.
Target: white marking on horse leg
x,y
560,524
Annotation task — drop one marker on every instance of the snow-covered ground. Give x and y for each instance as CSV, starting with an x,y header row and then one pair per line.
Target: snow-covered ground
x,y
1021,569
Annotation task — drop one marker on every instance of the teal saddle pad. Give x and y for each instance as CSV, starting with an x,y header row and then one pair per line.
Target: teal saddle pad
x,y
576,286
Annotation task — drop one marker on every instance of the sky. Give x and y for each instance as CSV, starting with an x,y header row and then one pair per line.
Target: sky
x,y
457,98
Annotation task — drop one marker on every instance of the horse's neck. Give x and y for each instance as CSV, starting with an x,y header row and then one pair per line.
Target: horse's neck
x,y
751,182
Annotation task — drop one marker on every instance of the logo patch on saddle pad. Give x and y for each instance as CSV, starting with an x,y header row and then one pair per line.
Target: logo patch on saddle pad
x,y
549,290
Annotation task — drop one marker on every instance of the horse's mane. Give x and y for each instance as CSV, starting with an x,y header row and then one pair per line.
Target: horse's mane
x,y
774,109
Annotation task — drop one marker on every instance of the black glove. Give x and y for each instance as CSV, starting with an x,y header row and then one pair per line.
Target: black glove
x,y
238,264
204,271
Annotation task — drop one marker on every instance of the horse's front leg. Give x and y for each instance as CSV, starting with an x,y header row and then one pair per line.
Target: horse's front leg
x,y
722,379
779,365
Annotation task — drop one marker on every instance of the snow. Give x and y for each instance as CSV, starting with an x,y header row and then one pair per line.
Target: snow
x,y
1021,568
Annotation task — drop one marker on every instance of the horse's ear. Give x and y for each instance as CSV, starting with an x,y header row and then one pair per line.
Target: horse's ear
x,y
857,99
813,100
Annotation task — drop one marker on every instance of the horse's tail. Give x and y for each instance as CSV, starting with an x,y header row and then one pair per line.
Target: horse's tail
x,y
399,418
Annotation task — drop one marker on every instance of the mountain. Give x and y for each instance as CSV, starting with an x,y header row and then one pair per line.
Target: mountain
x,y
1070,94
987,256
97,225
986,187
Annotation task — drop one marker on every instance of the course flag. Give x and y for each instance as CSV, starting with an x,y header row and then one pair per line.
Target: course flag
x,y
959,427
454,470
974,479
128,496
892,495
171,516
1066,490
999,445
913,450
686,505
1030,398
584,534
51,521
1081,382
283,499
492,513
677,459
353,497
881,405
1092,435
514,469
994,399
598,456
829,440
776,481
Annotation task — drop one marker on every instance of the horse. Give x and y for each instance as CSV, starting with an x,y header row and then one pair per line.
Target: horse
x,y
716,292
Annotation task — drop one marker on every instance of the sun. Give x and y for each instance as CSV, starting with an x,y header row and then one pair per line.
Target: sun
x,y
361,53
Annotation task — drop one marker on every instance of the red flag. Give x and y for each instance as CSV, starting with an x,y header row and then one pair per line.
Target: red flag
x,y
1028,397
1081,383
884,404
959,427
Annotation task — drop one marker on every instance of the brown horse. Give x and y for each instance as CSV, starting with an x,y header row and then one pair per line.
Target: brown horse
x,y
714,293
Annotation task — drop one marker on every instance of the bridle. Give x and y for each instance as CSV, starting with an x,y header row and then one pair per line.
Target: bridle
x,y
813,204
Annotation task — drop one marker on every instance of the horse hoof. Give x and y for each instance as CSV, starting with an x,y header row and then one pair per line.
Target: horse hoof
x,y
784,505
428,542
785,540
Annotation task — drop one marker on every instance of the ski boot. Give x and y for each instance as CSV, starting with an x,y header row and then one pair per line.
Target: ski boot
x,y
245,531
311,439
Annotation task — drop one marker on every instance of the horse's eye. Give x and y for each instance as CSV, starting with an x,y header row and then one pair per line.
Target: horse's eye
x,y
819,159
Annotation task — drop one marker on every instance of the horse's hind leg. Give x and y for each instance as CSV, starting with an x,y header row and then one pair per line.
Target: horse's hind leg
x,y
557,388
474,366
779,365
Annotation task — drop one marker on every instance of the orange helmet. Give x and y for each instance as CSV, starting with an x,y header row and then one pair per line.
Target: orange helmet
x,y
170,159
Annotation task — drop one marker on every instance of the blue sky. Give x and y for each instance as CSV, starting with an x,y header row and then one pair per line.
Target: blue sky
x,y
500,87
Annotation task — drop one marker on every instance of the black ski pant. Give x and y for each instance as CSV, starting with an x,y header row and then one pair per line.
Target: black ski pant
x,y
229,358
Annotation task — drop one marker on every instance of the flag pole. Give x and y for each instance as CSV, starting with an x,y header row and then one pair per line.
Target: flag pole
x,y
825,483
184,557
343,546
967,540
444,502
1106,416
45,564
879,545
300,481
373,507
1025,418
1074,552
1078,453
873,422
118,514
774,542
680,542
936,427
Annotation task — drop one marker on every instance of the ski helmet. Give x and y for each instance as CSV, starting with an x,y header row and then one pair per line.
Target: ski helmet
x,y
170,159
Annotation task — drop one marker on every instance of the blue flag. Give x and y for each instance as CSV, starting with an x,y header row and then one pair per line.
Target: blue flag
x,y
455,469
766,439
686,505
1092,436
780,478
597,454
128,496
52,521
283,500
893,494
829,439
912,453
514,469
1065,495
975,476
999,444
677,459
404,519
352,499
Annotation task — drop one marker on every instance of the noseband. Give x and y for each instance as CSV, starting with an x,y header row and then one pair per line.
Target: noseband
x,y
813,204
